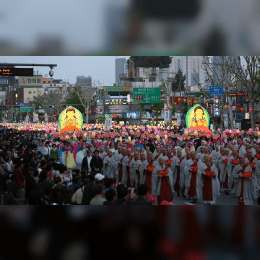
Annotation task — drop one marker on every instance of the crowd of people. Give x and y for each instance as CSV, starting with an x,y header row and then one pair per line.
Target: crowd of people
x,y
127,169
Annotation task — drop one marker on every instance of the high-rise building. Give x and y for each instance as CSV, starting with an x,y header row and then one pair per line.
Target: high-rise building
x,y
119,68
217,61
191,67
84,81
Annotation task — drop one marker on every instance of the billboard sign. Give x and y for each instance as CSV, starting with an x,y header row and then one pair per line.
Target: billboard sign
x,y
216,91
147,95
118,109
216,108
35,81
133,115
117,89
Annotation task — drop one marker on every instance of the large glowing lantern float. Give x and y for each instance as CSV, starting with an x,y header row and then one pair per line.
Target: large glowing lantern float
x,y
198,119
70,119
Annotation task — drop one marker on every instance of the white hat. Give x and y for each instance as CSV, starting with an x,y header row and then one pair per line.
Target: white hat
x,y
39,170
99,177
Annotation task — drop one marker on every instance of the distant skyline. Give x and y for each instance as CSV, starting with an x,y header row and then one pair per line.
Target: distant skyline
x,y
100,68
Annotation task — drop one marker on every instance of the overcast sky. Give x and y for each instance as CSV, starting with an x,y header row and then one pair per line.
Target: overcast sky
x,y
100,68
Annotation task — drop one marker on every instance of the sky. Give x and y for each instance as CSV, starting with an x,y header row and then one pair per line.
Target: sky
x,y
100,68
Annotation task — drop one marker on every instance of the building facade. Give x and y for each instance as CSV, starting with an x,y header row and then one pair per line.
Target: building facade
x,y
191,67
119,68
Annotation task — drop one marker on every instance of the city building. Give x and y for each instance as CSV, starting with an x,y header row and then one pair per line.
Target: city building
x,y
57,85
83,81
191,67
119,68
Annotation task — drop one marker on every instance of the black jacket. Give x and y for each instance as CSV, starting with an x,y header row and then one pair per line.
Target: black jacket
x,y
151,146
30,184
85,164
139,201
96,163
108,203
88,194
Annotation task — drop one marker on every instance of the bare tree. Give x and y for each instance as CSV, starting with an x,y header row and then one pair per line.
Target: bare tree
x,y
219,73
247,75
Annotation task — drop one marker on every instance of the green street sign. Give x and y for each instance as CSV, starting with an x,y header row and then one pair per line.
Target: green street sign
x,y
25,109
147,95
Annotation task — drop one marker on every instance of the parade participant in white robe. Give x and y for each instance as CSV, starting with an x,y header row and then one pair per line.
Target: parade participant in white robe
x,y
159,152
257,152
119,169
220,163
156,151
102,153
239,145
139,170
191,170
79,158
117,157
232,162
223,170
174,152
182,175
133,168
202,153
250,159
203,144
163,155
176,163
108,166
253,150
208,183
162,182
185,153
213,153
148,167
245,186
126,168
243,150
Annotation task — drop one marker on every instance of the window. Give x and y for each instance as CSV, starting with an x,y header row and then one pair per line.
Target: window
x,y
30,92
33,92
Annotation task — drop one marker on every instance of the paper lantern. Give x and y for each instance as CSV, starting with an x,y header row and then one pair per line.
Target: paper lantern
x,y
214,105
205,100
166,109
170,106
212,98
162,111
242,109
234,107
251,109
226,106
153,111
189,101
184,100
195,101
159,111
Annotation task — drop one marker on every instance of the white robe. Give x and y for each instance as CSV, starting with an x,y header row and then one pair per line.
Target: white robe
x,y
222,168
125,172
156,180
215,182
117,158
230,172
249,185
188,174
133,175
108,167
175,164
182,175
143,167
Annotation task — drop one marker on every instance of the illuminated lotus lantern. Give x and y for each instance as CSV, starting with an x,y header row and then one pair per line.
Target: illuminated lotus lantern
x,y
70,119
198,118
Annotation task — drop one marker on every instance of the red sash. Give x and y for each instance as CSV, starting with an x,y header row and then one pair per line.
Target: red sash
x,y
169,162
180,162
257,156
235,162
245,155
209,173
150,167
156,157
225,161
194,167
163,172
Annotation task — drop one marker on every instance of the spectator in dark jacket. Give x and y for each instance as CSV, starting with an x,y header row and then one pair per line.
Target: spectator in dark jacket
x,y
150,145
143,195
88,194
110,197
96,163
30,185
19,180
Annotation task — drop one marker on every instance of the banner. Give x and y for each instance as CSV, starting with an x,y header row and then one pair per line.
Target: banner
x,y
108,123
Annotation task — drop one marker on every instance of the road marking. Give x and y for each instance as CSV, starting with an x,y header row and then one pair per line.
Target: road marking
x,y
188,203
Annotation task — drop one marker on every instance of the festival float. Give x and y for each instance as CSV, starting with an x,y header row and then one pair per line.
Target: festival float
x,y
197,118
70,120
